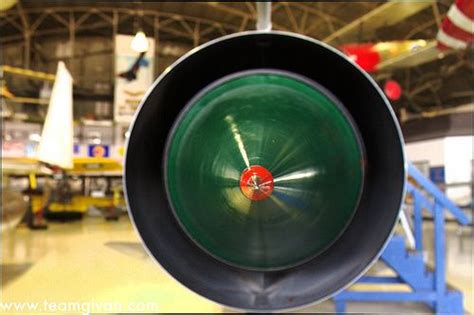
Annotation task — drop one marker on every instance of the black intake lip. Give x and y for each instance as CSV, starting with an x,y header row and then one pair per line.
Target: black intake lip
x,y
349,256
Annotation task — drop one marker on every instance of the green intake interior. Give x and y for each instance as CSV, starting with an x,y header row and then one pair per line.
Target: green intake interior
x,y
293,129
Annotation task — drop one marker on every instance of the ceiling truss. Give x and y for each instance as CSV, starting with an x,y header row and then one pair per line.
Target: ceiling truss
x,y
29,25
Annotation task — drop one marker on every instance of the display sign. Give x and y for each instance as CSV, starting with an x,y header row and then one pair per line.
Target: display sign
x,y
97,150
437,175
13,149
133,76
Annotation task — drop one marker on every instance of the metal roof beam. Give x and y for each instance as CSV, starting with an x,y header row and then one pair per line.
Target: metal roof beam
x,y
387,14
222,7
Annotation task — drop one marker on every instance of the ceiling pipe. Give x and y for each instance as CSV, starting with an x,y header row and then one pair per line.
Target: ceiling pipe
x,y
264,16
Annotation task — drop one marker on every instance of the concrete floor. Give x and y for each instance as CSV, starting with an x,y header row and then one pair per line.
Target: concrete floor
x,y
94,261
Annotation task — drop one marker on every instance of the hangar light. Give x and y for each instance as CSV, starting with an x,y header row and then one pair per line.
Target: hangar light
x,y
140,42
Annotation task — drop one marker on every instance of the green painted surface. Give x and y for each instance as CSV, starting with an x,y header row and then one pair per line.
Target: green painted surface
x,y
286,126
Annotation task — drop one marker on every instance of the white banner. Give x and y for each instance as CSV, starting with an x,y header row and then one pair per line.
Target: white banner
x,y
133,76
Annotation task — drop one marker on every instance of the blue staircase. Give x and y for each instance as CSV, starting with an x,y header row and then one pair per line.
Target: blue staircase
x,y
427,286
411,266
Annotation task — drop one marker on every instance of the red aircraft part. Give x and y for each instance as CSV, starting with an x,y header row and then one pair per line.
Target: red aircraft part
x,y
457,32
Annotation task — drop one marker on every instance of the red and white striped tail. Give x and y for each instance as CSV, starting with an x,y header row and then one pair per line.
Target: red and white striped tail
x,y
457,30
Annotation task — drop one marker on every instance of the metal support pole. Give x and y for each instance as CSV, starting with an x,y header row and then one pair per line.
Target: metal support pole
x,y
264,16
27,50
115,28
406,228
72,43
156,36
440,263
418,218
115,25
27,34
196,36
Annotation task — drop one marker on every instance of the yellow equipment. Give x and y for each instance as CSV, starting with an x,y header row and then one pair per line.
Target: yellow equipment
x,y
93,182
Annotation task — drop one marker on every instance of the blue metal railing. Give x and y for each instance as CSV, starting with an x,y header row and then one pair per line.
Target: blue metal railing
x,y
427,287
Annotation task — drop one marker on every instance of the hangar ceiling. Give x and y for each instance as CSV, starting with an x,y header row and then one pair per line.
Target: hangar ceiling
x,y
431,80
